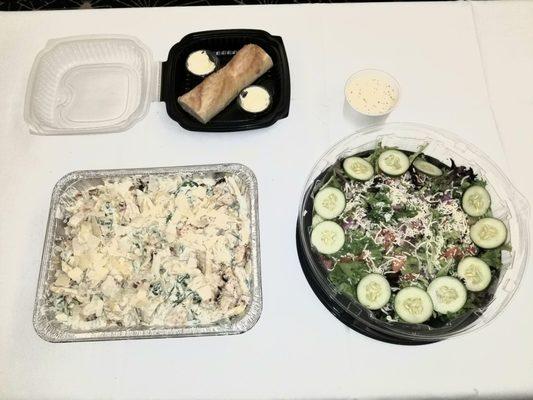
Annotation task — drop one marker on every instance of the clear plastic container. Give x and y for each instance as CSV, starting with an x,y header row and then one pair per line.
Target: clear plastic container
x,y
507,204
105,83
90,85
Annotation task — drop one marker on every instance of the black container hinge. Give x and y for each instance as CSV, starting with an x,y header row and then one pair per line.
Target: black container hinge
x,y
163,92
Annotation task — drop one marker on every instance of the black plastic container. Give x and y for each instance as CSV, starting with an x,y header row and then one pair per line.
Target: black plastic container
x,y
177,80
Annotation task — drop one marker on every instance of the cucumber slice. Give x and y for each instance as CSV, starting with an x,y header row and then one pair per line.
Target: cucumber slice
x,y
426,167
488,233
317,219
329,202
476,201
358,168
413,305
327,237
448,294
373,291
393,162
475,272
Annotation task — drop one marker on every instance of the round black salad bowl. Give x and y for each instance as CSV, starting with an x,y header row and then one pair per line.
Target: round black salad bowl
x,y
445,150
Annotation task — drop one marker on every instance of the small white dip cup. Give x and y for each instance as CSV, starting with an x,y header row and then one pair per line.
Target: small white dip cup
x,y
372,92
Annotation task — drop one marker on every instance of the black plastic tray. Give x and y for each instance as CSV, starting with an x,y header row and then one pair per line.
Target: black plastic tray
x,y
176,80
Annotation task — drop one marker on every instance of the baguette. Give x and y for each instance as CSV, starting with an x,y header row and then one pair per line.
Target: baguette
x,y
216,91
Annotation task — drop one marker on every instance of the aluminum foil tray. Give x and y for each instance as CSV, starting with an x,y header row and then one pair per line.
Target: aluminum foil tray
x,y
53,331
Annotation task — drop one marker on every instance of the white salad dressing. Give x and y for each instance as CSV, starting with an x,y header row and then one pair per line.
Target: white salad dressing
x,y
200,63
372,92
254,99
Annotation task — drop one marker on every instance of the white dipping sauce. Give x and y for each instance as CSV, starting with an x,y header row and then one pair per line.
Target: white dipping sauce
x,y
372,92
200,63
254,99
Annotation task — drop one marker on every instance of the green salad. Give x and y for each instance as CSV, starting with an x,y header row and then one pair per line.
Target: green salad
x,y
408,236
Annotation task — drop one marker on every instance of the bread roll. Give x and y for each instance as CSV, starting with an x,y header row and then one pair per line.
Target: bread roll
x,y
216,91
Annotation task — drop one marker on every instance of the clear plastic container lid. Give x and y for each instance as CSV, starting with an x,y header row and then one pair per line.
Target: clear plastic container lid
x,y
90,84
507,204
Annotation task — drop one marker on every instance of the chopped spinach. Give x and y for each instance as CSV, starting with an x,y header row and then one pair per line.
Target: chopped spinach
x,y
155,288
379,206
183,279
189,184
196,299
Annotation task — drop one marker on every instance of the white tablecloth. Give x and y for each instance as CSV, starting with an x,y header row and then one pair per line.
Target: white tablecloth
x,y
439,52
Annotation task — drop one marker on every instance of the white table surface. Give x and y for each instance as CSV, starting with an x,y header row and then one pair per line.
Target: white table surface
x,y
438,52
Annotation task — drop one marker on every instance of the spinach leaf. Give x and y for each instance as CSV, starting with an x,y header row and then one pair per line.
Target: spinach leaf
x,y
445,266
411,266
378,204
376,199
373,158
169,217
492,257
472,303
346,276
405,213
357,242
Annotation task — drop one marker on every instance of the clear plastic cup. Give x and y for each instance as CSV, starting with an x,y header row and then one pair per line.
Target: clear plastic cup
x,y
372,92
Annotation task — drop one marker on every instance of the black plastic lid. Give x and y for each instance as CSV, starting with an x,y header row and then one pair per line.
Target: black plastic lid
x,y
177,80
